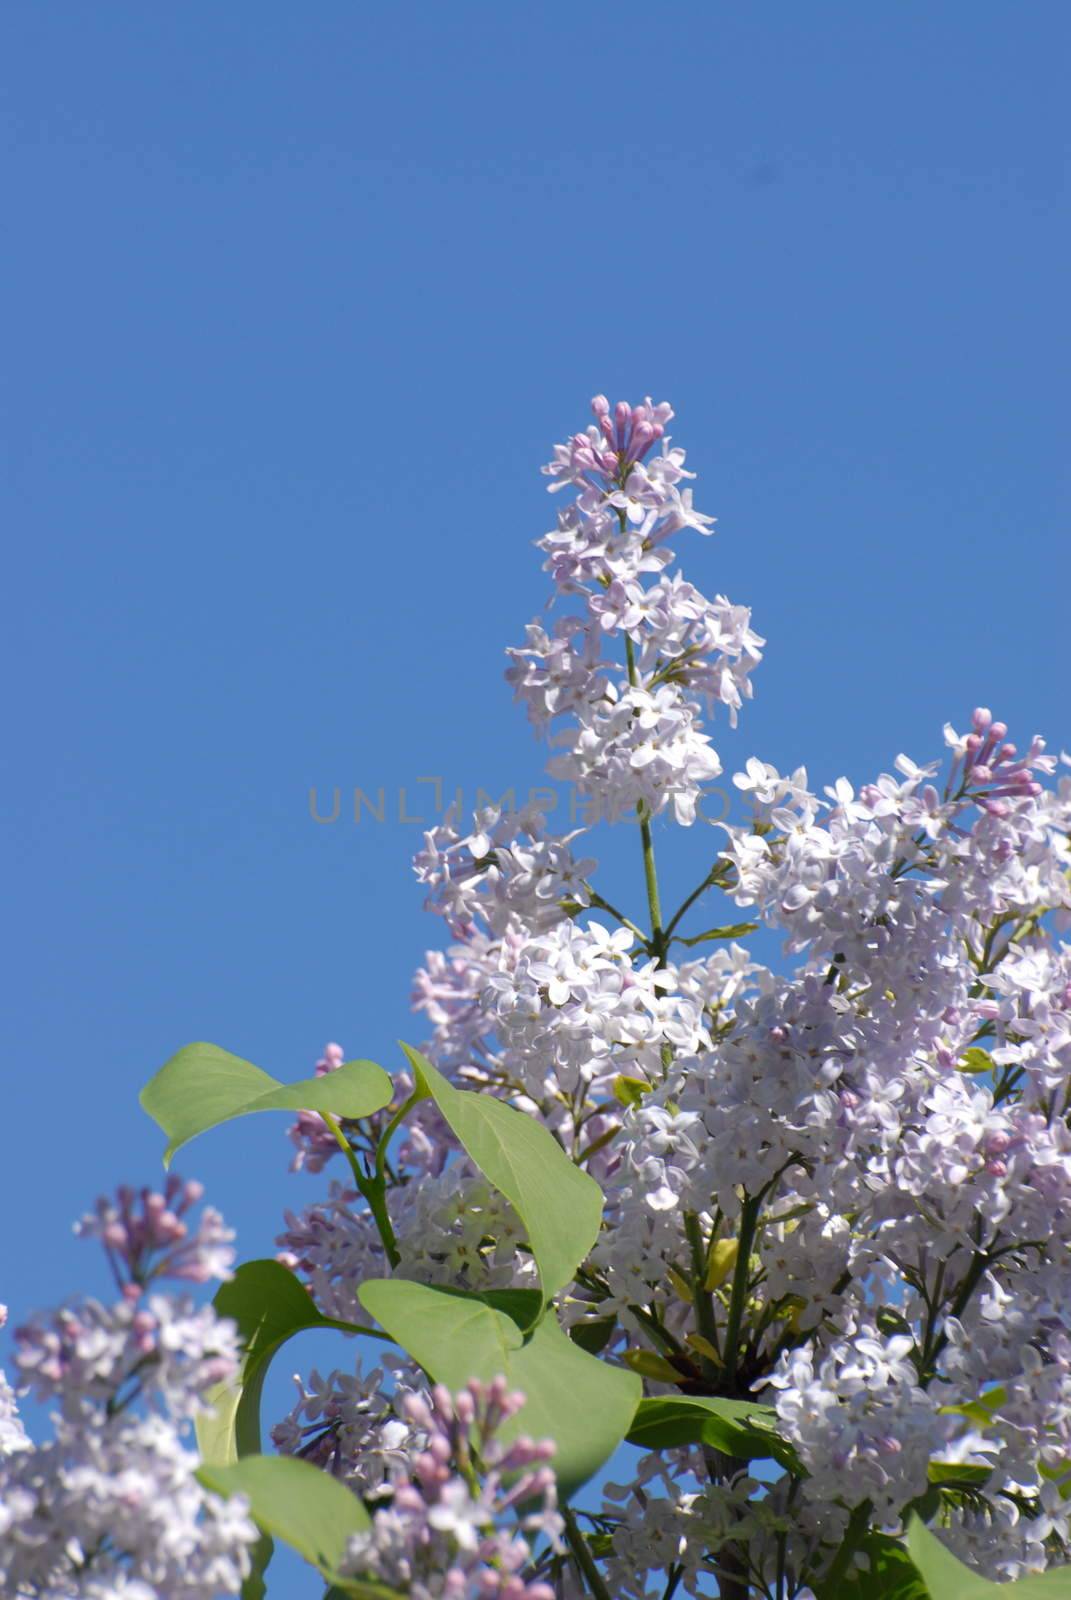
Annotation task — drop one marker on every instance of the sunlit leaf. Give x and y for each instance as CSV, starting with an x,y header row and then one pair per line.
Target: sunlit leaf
x,y
294,1501
733,930
583,1404
559,1206
975,1060
203,1086
270,1306
738,1427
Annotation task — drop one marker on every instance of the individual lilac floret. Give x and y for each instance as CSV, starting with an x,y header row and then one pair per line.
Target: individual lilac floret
x,y
440,1538
145,1236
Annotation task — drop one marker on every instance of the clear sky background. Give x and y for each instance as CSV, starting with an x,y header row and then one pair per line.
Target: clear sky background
x,y
296,300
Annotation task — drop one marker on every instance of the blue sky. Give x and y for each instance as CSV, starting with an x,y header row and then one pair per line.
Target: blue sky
x,y
296,301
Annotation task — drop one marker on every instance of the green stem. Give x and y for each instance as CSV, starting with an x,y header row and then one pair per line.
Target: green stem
x,y
373,1190
858,1523
980,1262
657,941
731,1566
701,1298
584,1558
391,1128
346,1148
710,879
626,922
749,1217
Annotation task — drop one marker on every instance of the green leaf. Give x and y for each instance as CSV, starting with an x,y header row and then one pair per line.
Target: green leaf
x,y
269,1305
734,930
738,1427
955,1475
360,1589
305,1507
593,1336
559,1206
583,1404
630,1091
975,1060
889,1575
202,1086
948,1579
981,1410
454,1336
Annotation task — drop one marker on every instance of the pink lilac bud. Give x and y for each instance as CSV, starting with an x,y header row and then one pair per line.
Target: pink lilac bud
x,y
330,1061
443,1402
146,1237
417,1412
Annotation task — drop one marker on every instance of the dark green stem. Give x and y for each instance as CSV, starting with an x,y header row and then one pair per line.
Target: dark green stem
x,y
701,1299
373,1190
858,1523
584,1558
626,922
749,1217
708,882
389,1132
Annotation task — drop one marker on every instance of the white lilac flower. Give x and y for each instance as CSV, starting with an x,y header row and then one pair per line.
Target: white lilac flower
x,y
353,1424
863,1427
111,1505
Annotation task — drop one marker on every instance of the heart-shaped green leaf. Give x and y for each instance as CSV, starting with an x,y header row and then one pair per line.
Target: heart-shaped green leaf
x,y
304,1506
583,1404
559,1205
202,1086
269,1305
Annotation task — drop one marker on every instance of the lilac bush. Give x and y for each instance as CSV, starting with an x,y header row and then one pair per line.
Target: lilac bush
x,y
801,1233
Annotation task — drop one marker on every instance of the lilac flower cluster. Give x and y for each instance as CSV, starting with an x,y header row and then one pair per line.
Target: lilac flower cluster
x,y
837,1185
110,1505
145,1236
634,737
444,1533
352,1425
